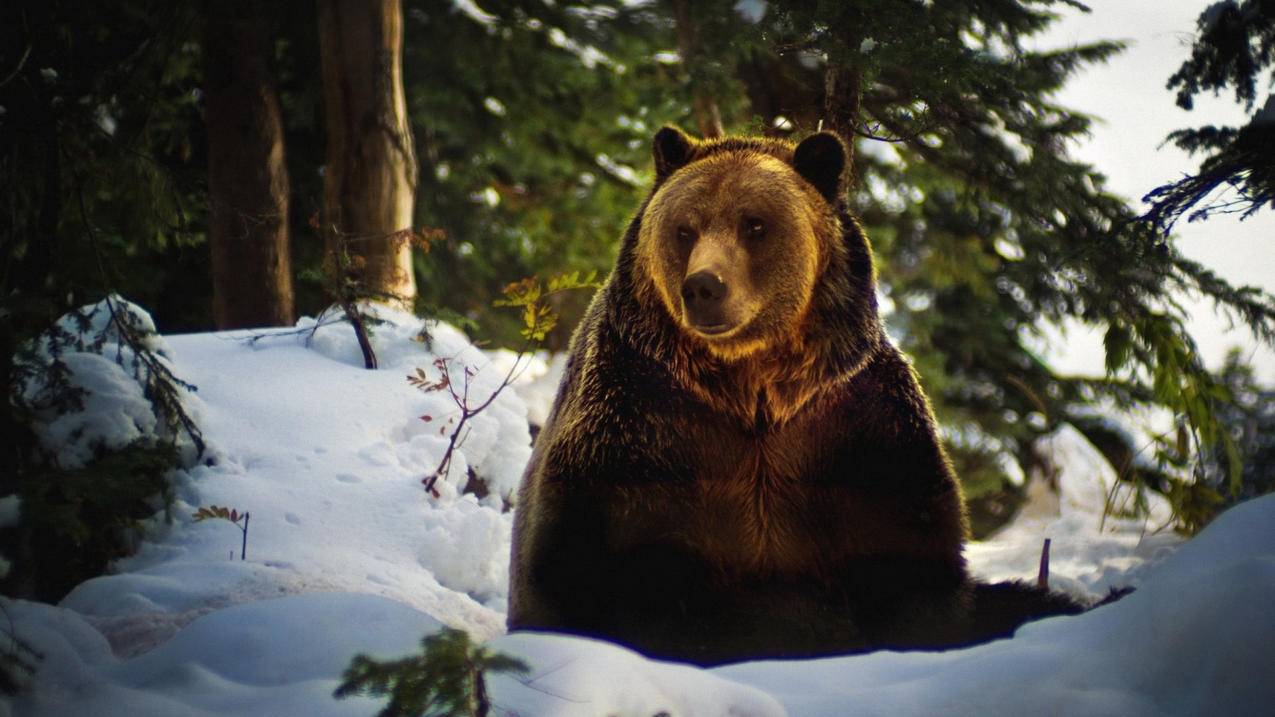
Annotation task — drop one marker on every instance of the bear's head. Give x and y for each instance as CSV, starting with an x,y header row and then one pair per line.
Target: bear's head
x,y
737,234
744,274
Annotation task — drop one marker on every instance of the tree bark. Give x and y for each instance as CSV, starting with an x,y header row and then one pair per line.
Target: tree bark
x,y
841,97
247,176
703,106
369,181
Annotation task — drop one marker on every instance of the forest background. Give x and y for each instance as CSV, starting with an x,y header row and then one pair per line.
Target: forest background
x,y
238,164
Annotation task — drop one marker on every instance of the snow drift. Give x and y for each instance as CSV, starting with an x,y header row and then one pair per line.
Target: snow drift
x,y
347,554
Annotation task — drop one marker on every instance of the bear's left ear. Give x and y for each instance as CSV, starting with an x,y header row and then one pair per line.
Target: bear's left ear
x,y
821,160
672,148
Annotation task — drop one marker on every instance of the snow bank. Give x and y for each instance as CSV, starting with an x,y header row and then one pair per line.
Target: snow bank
x,y
1076,501
496,443
577,677
115,411
347,553
1194,639
1090,496
272,657
539,391
328,459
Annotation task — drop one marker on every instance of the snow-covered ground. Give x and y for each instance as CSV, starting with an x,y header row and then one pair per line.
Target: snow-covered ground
x,y
347,553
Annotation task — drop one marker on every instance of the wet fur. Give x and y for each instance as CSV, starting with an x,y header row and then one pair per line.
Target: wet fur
x,y
783,494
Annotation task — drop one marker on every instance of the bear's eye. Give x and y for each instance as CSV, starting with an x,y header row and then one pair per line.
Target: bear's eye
x,y
754,228
685,235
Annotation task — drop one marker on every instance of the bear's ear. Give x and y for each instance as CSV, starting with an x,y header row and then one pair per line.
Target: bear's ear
x,y
821,160
672,148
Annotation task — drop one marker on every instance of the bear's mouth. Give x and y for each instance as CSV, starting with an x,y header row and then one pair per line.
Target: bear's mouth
x,y
712,329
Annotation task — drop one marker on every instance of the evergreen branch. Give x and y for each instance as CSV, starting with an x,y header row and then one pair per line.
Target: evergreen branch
x,y
159,383
1255,307
18,661
446,678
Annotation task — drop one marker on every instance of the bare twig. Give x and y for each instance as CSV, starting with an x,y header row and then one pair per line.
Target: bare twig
x,y
461,432
1042,577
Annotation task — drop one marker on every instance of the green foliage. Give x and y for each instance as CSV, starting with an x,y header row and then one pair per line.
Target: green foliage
x,y
445,680
984,228
74,523
102,157
538,317
1249,421
1234,45
18,660
533,131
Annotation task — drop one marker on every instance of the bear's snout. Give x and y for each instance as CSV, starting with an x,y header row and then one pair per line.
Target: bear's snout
x,y
703,297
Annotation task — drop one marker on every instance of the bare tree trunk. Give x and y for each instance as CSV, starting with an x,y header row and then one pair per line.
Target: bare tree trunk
x,y
369,181
841,97
247,176
707,116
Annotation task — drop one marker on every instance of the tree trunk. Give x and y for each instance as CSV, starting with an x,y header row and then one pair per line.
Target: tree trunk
x,y
369,181
703,106
247,177
842,95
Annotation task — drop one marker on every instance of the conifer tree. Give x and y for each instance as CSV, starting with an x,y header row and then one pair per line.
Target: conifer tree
x,y
247,175
1234,47
984,227
370,173
531,158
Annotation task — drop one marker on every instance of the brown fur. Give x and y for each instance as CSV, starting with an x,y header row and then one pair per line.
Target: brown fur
x,y
775,490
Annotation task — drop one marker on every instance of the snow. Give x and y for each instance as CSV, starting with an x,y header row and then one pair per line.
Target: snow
x,y
1266,115
116,412
347,553
750,11
1195,638
1092,548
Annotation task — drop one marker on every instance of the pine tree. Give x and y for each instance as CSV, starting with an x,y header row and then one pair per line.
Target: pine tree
x,y
1234,46
1250,420
984,227
370,173
532,124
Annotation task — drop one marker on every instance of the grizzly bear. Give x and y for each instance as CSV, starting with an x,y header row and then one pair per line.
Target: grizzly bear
x,y
739,464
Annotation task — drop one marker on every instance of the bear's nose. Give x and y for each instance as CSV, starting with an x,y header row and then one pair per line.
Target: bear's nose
x,y
703,291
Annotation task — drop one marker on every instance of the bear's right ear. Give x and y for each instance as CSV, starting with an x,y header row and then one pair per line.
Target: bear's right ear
x,y
672,149
821,159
